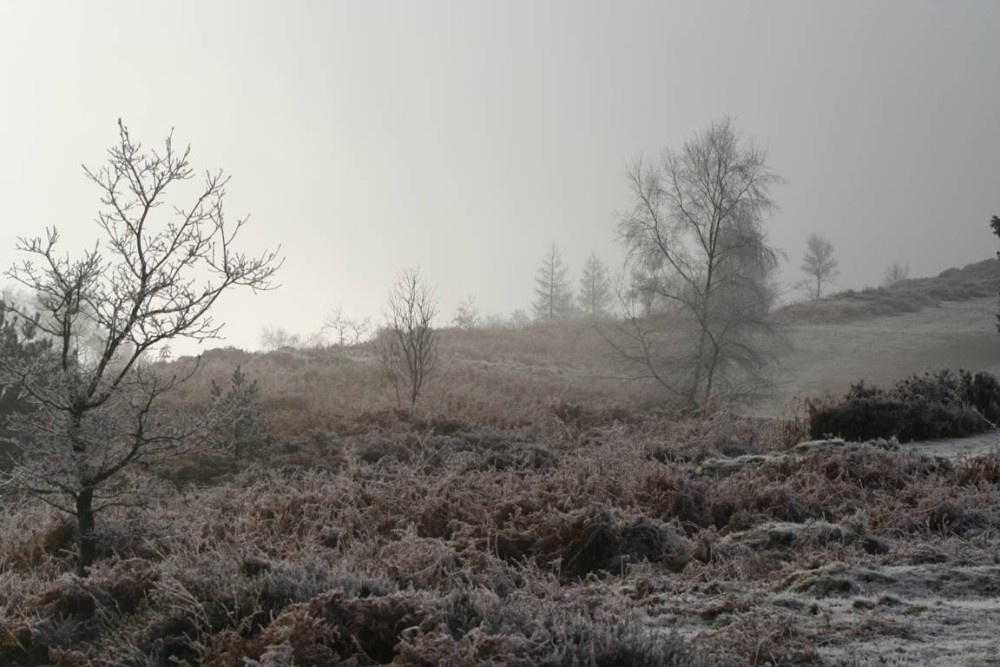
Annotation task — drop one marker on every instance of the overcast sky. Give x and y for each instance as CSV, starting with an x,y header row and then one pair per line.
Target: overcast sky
x,y
464,137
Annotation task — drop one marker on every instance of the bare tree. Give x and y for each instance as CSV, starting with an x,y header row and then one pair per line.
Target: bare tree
x,y
641,292
155,278
896,272
553,298
466,315
819,266
275,338
519,319
360,328
407,344
595,288
694,232
348,330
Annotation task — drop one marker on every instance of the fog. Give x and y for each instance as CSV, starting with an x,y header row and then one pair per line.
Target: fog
x,y
465,138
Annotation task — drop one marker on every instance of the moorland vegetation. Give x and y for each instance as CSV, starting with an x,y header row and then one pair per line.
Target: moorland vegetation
x,y
527,507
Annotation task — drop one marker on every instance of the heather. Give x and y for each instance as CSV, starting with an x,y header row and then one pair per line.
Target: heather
x,y
512,517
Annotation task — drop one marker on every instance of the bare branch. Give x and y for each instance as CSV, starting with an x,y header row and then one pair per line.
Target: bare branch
x,y
155,276
697,252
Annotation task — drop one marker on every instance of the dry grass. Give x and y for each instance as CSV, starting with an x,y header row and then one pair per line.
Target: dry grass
x,y
543,518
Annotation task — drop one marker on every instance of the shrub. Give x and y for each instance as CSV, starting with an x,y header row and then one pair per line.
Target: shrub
x,y
921,407
595,540
243,429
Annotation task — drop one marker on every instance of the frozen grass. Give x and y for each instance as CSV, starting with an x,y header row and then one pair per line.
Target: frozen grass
x,y
525,514
442,551
973,281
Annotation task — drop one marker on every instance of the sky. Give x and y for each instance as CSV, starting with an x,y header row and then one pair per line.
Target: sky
x,y
465,137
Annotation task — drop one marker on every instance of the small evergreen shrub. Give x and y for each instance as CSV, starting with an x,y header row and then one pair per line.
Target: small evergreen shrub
x,y
921,407
242,429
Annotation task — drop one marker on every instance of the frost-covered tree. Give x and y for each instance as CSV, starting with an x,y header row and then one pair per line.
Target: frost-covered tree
x,y
275,338
553,296
595,288
466,315
20,343
408,344
694,230
819,266
242,428
347,330
159,269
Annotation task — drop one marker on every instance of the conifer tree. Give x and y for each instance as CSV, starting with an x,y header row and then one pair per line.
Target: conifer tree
x,y
595,288
553,297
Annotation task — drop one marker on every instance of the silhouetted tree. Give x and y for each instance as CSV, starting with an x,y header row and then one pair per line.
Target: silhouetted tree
x,y
466,315
553,297
275,338
348,330
155,278
694,229
641,291
819,266
896,272
595,288
407,344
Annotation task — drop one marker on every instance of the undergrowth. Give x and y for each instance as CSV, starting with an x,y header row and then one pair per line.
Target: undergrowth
x,y
510,526
921,407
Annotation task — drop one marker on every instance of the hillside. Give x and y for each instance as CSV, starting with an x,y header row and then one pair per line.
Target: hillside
x,y
532,509
829,357
506,376
882,335
972,281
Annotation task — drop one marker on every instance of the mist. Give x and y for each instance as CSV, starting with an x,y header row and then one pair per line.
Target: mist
x,y
499,333
466,138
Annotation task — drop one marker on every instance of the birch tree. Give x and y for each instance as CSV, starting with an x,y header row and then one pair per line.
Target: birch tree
x,y
694,230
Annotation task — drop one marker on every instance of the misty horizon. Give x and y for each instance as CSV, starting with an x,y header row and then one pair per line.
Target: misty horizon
x,y
465,139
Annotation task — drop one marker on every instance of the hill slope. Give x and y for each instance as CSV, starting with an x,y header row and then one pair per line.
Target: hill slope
x,y
830,357
972,281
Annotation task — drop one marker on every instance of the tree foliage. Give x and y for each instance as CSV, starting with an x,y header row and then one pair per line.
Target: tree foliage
x,y
154,277
694,233
242,427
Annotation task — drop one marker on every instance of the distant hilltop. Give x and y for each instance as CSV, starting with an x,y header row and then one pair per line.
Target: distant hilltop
x,y
972,281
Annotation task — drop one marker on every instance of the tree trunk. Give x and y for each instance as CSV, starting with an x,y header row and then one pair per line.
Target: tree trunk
x,y
699,365
85,523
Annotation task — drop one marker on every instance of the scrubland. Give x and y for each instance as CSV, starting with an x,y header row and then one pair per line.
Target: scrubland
x,y
530,510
